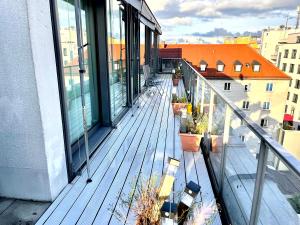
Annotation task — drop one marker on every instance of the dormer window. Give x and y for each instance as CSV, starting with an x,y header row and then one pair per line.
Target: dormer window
x,y
238,66
220,66
203,66
256,66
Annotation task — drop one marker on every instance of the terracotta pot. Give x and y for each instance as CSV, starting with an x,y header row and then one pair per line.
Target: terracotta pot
x,y
216,143
190,142
177,107
175,82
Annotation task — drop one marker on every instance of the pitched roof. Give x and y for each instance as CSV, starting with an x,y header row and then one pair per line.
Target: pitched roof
x,y
230,54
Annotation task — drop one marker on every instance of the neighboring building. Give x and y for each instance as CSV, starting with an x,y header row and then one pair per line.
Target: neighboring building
x,y
245,77
272,37
288,61
289,140
41,135
254,42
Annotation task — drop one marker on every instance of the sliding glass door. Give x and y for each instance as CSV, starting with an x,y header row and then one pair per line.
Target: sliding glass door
x,y
142,54
69,52
116,57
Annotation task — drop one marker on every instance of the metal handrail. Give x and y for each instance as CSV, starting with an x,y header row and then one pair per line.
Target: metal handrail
x,y
289,160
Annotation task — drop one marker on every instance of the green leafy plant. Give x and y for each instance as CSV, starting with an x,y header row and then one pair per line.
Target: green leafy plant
x,y
194,124
177,74
176,99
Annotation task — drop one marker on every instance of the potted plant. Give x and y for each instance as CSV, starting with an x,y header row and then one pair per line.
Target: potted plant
x,y
178,104
192,130
176,77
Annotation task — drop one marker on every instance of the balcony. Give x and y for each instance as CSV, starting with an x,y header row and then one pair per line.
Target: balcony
x,y
253,177
136,150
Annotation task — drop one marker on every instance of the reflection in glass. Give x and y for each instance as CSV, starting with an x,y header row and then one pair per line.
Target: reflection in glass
x,y
68,38
116,56
142,54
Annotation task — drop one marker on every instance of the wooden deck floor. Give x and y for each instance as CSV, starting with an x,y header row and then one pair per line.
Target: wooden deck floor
x,y
137,149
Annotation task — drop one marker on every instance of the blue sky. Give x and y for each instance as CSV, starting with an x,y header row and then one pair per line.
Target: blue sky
x,y
187,20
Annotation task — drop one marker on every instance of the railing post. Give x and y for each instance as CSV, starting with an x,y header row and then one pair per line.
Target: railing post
x,y
202,96
259,183
211,110
197,90
224,144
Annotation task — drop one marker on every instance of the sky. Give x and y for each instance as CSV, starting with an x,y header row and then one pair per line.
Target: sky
x,y
209,20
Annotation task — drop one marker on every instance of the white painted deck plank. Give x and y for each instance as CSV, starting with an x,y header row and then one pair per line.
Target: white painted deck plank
x,y
123,146
151,151
64,206
139,147
128,169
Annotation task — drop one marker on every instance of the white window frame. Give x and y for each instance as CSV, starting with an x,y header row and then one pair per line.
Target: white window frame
x,y
238,68
256,68
220,68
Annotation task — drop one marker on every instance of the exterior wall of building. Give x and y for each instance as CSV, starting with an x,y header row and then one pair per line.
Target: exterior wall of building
x,y
293,107
32,157
288,139
256,96
270,41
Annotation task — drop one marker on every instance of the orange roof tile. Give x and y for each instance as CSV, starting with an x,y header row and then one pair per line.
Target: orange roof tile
x,y
229,54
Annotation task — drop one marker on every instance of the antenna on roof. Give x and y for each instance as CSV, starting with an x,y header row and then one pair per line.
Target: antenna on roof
x,y
298,17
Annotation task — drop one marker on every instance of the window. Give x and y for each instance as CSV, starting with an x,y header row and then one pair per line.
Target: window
x,y
292,110
227,86
266,106
242,137
286,108
264,123
247,87
116,57
295,98
65,52
294,53
291,68
238,68
220,66
283,67
291,82
246,104
298,70
297,84
286,53
256,68
279,60
269,87
288,96
298,39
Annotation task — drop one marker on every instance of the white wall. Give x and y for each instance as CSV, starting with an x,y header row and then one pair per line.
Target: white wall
x,y
32,158
256,96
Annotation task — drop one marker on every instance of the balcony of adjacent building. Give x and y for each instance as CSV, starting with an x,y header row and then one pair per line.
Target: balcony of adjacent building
x,y
252,178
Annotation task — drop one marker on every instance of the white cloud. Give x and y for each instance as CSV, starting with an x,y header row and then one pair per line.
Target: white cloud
x,y
176,21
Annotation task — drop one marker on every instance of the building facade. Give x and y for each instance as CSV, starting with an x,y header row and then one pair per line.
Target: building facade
x,y
250,81
42,135
288,61
271,39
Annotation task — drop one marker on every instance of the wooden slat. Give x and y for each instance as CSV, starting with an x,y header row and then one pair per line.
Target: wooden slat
x,y
145,172
122,146
63,207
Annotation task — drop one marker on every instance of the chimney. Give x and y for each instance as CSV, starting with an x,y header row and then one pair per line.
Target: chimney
x,y
298,17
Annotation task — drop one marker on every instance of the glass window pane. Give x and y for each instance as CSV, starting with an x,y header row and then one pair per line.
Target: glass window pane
x,y
67,23
280,202
116,57
142,53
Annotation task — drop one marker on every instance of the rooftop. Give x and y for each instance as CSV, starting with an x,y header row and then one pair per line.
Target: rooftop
x,y
229,54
